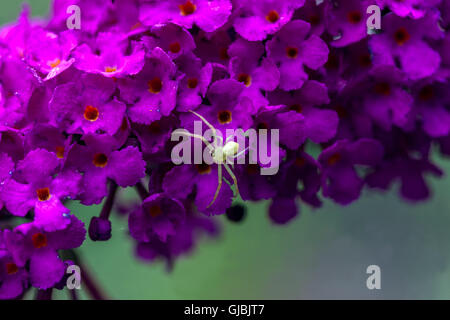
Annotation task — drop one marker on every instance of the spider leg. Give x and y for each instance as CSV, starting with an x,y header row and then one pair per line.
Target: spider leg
x,y
233,177
214,131
219,174
240,153
208,144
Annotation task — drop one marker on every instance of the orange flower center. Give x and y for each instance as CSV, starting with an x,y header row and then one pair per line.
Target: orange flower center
x,y
54,63
354,17
314,19
245,79
365,60
155,85
43,194
100,160
292,52
224,117
296,107
383,88
110,69
60,152
262,125
192,83
155,128
203,168
11,268
175,47
332,62
91,113
154,210
187,8
273,16
300,162
39,240
223,54
401,36
335,158
252,169
426,93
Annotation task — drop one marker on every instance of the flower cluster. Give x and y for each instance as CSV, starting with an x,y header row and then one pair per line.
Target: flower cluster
x,y
87,111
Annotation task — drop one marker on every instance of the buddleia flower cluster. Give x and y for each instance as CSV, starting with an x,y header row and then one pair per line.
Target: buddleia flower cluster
x,y
90,110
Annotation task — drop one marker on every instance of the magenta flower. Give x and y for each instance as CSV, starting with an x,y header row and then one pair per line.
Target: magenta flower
x,y
38,184
30,243
87,106
152,93
100,160
208,15
291,53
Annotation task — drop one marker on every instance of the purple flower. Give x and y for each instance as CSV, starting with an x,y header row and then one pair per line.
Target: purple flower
x,y
181,243
30,243
100,160
229,109
158,215
252,185
181,180
152,93
340,179
208,15
346,21
87,106
245,67
319,125
173,39
411,173
109,57
403,43
386,101
13,279
37,184
15,92
93,12
258,19
195,82
49,52
291,49
6,170
432,99
413,8
153,137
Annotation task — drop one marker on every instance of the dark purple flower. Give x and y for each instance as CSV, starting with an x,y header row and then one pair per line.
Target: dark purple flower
x,y
38,184
87,106
341,181
13,279
173,39
258,19
403,44
346,21
256,73
202,179
195,82
412,8
208,15
30,243
100,160
6,170
108,56
158,215
152,93
292,49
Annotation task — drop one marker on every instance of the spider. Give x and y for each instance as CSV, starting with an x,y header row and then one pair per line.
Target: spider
x,y
219,153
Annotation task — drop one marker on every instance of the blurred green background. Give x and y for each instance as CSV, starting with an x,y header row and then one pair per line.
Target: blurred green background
x,y
321,254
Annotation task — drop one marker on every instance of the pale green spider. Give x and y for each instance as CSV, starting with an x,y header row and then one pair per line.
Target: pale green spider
x,y
219,153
